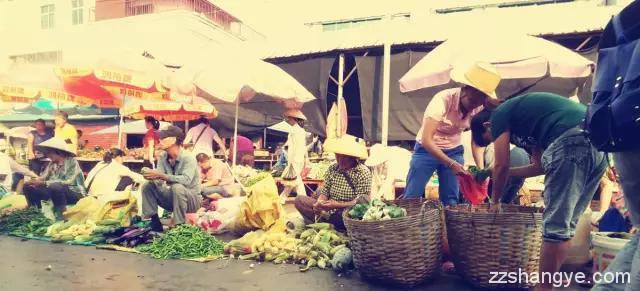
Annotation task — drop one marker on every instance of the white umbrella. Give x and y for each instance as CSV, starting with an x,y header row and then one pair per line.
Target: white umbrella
x,y
229,76
521,60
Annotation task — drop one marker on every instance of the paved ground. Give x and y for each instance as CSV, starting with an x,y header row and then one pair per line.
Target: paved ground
x,y
23,267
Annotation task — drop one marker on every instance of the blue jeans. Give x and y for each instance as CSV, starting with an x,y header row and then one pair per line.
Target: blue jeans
x,y
423,165
518,158
628,259
573,169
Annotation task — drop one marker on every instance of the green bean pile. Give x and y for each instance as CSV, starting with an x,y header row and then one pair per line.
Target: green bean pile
x,y
24,221
184,242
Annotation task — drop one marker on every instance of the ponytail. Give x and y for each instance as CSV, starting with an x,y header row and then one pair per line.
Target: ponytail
x,y
154,122
112,154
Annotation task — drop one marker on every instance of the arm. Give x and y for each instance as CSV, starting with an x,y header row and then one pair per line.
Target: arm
x,y
532,170
219,141
126,172
188,138
15,167
501,165
429,126
30,151
478,154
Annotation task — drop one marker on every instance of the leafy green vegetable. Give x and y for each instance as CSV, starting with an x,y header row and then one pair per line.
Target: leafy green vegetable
x,y
479,174
25,221
376,210
184,242
358,211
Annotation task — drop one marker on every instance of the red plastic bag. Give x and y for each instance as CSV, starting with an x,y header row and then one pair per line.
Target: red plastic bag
x,y
473,191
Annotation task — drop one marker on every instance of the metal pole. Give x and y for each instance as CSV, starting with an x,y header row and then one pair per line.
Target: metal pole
x,y
121,123
340,92
386,72
235,133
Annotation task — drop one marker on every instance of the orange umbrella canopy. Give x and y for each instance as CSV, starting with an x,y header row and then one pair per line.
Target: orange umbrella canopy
x,y
27,83
123,75
170,110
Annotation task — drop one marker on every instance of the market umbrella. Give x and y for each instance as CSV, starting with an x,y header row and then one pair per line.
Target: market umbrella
x,y
524,62
229,77
169,110
125,75
337,120
28,83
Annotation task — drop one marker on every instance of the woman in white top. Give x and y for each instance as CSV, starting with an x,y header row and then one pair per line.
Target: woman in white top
x,y
296,151
111,175
8,167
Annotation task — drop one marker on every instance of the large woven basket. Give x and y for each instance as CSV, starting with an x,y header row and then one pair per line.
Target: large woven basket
x,y
403,251
484,242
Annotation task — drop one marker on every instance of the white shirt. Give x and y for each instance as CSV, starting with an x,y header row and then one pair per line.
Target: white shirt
x,y
106,178
397,168
297,147
205,143
8,166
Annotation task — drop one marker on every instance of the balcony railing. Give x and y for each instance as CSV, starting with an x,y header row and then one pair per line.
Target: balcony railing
x,y
213,13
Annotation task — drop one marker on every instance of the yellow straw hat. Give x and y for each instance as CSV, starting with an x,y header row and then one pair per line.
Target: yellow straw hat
x,y
295,113
482,76
347,145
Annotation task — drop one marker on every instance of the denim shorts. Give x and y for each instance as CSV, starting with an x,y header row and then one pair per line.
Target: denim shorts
x,y
573,169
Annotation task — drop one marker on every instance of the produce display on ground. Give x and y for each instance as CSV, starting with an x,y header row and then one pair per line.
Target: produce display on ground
x,y
376,210
315,245
23,221
184,242
318,170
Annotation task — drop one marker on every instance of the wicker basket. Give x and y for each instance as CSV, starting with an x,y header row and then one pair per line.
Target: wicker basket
x,y
483,242
403,251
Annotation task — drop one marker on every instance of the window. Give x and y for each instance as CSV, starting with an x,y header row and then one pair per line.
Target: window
x,y
77,13
48,57
47,16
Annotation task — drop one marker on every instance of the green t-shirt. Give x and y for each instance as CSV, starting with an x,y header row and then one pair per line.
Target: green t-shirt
x,y
535,120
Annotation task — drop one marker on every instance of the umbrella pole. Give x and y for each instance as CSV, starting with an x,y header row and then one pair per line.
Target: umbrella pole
x,y
235,133
340,92
386,72
120,123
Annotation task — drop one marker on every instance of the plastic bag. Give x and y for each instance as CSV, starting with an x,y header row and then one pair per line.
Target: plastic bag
x,y
11,202
83,210
474,192
262,209
117,205
220,219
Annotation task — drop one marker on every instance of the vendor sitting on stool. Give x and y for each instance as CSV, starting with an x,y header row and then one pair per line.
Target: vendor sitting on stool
x,y
174,186
61,181
215,176
344,184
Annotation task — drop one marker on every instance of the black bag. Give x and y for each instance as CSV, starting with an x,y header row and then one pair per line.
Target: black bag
x,y
613,117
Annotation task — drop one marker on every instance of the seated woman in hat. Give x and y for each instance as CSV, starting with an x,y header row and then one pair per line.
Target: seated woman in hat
x,y
439,148
345,183
61,181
